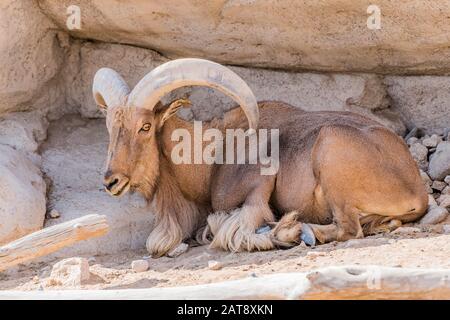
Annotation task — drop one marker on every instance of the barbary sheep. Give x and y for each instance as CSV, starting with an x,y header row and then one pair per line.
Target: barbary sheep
x,y
341,175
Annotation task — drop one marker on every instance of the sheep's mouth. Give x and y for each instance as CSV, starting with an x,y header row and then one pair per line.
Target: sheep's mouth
x,y
120,188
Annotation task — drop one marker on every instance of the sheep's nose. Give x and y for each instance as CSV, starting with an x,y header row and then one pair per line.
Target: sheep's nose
x,y
115,184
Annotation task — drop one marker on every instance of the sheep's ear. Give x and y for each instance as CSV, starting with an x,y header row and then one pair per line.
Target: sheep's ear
x,y
172,109
100,102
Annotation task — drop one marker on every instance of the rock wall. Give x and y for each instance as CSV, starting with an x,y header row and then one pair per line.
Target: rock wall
x,y
30,56
289,34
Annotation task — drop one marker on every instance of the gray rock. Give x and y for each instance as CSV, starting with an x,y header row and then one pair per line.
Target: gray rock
x,y
438,185
286,34
432,141
434,216
425,178
446,190
440,162
447,180
420,154
444,201
182,248
411,141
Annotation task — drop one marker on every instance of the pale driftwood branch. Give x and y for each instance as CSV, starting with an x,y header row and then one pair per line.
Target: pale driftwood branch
x,y
368,282
48,240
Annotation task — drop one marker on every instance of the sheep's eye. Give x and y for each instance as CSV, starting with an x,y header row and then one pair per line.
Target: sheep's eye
x,y
146,127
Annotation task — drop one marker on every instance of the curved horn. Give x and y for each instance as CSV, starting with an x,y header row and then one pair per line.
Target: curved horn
x,y
109,88
194,72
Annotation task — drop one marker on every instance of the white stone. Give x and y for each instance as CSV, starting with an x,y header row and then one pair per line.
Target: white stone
x,y
214,265
432,142
139,265
22,195
444,201
71,272
54,214
434,216
440,162
179,250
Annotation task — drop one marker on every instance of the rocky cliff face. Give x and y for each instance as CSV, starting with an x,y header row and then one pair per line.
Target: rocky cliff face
x,y
290,34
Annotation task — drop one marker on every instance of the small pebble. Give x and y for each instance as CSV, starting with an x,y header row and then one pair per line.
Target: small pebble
x,y
438,185
432,141
139,265
91,260
182,248
214,265
54,214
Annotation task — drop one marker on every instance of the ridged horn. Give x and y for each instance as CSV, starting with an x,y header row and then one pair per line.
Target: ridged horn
x,y
109,88
194,72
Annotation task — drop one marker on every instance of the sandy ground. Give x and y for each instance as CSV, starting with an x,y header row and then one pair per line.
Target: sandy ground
x,y
429,248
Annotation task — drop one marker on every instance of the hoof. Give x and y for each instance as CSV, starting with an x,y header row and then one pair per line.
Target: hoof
x,y
263,229
307,235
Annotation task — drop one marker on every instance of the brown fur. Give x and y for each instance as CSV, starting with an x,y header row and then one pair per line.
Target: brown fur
x,y
338,170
